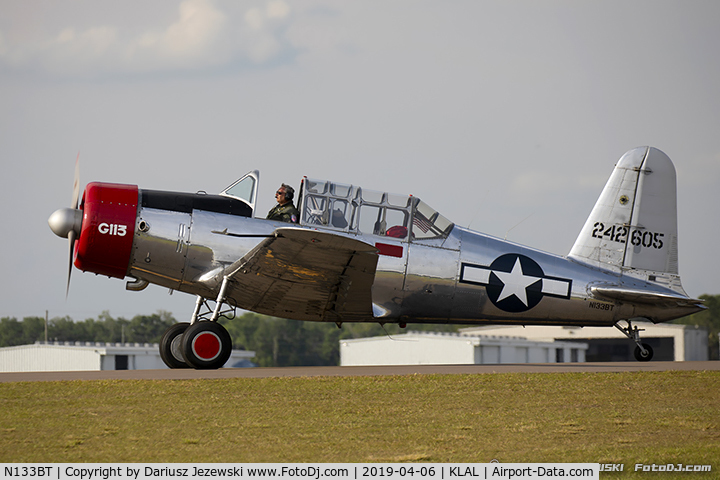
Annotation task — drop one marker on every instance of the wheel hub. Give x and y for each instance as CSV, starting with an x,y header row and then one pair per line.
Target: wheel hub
x,y
175,348
207,346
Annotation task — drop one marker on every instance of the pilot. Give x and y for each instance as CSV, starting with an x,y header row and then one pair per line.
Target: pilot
x,y
284,211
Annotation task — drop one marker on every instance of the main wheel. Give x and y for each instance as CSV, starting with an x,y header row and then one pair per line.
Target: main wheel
x,y
639,354
206,345
170,350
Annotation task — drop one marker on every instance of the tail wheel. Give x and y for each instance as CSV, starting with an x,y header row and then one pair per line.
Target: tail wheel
x,y
647,356
170,348
206,345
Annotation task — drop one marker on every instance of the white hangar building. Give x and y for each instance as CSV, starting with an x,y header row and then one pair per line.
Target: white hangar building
x,y
88,356
670,342
427,348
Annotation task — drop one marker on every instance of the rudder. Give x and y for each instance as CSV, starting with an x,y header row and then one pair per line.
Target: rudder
x,y
633,227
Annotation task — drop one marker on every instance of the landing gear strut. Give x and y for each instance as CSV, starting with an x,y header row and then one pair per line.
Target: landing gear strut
x,y
643,351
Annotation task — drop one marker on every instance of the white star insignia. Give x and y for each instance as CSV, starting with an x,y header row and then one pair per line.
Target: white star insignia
x,y
515,283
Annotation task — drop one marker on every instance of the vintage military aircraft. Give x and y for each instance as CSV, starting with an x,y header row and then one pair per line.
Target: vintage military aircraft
x,y
360,255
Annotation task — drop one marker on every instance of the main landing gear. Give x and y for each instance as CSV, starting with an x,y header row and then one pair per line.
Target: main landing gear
x,y
643,351
202,344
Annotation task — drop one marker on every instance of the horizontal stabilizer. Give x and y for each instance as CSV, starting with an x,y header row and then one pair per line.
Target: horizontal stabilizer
x,y
614,292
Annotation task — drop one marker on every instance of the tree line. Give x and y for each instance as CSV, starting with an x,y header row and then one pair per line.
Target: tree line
x,y
140,329
275,341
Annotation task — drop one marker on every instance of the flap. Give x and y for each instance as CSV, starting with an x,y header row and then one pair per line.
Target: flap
x,y
305,275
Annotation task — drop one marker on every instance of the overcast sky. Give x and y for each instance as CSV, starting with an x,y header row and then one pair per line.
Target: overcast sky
x,y
490,111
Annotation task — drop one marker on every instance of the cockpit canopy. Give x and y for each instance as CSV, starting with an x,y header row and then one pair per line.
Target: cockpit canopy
x,y
349,208
353,209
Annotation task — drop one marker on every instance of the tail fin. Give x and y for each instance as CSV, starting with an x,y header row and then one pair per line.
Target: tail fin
x,y
633,227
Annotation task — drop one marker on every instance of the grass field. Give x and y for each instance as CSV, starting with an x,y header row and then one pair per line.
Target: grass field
x,y
641,417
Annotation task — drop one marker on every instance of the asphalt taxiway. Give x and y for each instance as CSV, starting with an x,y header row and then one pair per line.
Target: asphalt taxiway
x,y
265,372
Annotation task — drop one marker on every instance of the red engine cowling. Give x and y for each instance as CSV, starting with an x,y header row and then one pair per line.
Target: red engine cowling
x,y
108,228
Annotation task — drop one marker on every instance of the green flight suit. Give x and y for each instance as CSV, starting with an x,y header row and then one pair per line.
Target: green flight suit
x,y
284,213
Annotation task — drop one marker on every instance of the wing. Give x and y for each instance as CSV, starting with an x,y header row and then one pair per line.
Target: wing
x,y
305,275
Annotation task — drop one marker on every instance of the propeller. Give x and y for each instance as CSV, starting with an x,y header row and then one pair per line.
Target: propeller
x,y
67,222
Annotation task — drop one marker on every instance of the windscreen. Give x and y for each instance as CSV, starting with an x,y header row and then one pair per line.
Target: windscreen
x,y
428,223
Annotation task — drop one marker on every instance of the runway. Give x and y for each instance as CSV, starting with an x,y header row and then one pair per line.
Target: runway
x,y
265,372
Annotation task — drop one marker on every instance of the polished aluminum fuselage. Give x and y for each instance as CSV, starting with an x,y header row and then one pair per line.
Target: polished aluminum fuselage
x,y
426,281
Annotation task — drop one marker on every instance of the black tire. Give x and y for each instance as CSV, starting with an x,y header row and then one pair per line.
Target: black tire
x,y
171,346
206,345
644,358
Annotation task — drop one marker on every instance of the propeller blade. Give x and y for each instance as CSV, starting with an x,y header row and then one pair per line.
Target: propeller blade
x,y
72,234
71,243
76,183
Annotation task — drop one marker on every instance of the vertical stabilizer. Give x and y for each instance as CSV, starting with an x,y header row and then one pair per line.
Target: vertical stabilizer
x,y
633,227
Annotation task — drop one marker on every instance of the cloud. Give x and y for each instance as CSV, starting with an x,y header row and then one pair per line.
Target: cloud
x,y
198,36
71,48
260,35
257,18
191,37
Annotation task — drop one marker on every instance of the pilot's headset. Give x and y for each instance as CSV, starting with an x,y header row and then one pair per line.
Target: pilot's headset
x,y
289,192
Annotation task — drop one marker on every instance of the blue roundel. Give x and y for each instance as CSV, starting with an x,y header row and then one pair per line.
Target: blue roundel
x,y
515,283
